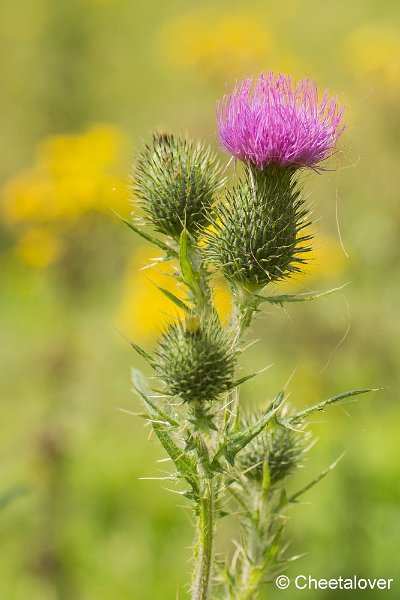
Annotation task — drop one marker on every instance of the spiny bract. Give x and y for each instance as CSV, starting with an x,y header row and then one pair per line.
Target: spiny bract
x,y
257,234
195,360
281,448
176,182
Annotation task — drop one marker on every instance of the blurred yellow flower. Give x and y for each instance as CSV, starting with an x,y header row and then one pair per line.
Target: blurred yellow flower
x,y
72,175
144,309
326,260
221,43
222,298
374,51
38,247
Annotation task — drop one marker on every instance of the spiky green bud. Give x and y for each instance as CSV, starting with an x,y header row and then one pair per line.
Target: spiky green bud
x,y
280,448
176,182
195,360
257,236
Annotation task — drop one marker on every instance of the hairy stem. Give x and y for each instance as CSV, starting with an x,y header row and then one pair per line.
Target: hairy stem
x,y
252,573
263,547
242,313
204,540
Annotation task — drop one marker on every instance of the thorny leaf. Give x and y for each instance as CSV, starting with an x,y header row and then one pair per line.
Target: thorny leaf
x,y
144,393
177,301
296,297
149,238
142,352
320,406
238,440
294,497
185,465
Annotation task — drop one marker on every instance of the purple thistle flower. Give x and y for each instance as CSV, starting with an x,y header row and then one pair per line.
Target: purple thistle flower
x,y
276,121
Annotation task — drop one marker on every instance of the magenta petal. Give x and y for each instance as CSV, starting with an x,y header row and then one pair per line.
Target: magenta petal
x,y
276,121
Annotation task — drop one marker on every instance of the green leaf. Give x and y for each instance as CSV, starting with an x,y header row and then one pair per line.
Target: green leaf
x,y
202,453
144,393
292,499
175,300
134,414
149,238
142,352
238,440
185,465
296,297
251,376
322,405
190,278
243,379
273,548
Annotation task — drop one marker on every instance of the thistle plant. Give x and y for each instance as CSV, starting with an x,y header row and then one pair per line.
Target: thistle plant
x,y
227,460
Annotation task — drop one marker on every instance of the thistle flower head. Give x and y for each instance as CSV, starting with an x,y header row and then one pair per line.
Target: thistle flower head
x,y
278,448
176,182
195,360
274,120
257,235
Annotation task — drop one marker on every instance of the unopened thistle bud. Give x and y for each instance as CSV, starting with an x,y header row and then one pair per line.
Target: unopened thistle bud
x,y
257,235
195,360
278,448
176,182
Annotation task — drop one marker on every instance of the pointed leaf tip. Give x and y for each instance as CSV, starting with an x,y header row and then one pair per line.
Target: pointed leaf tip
x,y
150,238
320,406
142,352
177,301
285,298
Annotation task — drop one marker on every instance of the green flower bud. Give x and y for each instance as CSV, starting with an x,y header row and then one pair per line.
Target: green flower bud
x,y
195,360
176,182
256,234
282,449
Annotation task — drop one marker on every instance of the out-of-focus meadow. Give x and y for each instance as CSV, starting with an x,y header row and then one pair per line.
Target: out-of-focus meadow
x,y
84,84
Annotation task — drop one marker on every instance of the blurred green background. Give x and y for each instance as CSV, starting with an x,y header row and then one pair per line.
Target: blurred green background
x,y
84,84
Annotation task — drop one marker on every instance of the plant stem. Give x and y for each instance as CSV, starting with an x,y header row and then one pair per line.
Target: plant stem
x,y
253,581
204,541
242,312
251,574
264,536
